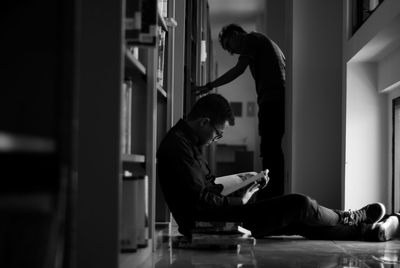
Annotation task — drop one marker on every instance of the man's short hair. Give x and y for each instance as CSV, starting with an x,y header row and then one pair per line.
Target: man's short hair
x,y
212,106
227,31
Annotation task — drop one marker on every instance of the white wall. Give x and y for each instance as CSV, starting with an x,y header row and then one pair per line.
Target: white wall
x,y
316,95
393,94
373,78
389,71
366,137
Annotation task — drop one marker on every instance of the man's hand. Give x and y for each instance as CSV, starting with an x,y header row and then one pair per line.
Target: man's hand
x,y
249,193
199,90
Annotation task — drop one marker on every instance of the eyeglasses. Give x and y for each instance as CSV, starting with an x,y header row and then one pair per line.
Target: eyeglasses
x,y
217,131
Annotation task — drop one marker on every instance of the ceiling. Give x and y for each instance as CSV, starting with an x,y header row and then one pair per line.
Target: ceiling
x,y
243,12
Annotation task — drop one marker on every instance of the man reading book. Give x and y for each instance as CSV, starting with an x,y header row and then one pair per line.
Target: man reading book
x,y
192,194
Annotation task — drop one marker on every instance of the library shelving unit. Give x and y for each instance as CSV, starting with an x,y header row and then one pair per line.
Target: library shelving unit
x,y
128,98
66,157
35,132
199,62
124,109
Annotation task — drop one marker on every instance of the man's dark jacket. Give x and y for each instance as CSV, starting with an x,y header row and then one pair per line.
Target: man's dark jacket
x,y
185,179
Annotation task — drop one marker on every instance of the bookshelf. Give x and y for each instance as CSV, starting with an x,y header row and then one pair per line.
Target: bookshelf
x,y
61,133
146,66
35,132
119,131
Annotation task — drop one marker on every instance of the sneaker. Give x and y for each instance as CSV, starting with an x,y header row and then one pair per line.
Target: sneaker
x,y
369,214
389,228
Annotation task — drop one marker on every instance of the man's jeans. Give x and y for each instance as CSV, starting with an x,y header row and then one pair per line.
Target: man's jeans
x,y
292,214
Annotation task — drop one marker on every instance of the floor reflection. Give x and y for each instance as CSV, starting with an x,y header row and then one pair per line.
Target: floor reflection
x,y
285,252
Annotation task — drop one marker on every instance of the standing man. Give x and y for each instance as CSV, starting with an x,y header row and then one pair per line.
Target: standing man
x,y
267,66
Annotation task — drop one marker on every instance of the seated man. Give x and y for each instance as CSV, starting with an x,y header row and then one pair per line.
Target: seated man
x,y
192,195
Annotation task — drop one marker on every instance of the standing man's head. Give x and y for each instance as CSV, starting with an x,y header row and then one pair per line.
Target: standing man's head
x,y
231,38
209,117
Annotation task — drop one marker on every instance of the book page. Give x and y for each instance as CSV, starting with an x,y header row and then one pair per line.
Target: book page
x,y
232,180
235,182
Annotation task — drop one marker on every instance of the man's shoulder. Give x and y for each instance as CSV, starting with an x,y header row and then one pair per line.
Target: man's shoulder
x,y
256,34
258,37
175,140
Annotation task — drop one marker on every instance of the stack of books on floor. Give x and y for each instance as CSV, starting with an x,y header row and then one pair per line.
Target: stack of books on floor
x,y
215,235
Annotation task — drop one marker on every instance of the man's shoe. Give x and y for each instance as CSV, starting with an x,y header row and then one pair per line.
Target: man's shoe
x,y
389,228
369,214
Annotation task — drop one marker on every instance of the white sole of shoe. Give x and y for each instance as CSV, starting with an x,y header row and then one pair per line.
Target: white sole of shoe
x,y
389,229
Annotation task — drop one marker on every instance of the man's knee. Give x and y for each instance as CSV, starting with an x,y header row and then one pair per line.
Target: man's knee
x,y
302,202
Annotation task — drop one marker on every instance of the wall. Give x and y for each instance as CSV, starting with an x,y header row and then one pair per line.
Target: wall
x,y
366,136
389,83
393,94
242,90
389,71
372,68
316,94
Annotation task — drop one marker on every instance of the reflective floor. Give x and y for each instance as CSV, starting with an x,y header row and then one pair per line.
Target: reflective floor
x,y
290,251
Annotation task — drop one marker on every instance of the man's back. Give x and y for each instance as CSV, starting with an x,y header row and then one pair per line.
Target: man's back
x,y
174,149
267,65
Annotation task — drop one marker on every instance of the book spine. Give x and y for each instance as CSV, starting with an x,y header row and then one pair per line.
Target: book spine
x,y
123,117
141,22
129,228
128,131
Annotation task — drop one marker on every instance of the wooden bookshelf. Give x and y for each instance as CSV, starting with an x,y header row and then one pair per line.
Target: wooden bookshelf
x,y
161,91
36,110
134,158
162,22
64,129
26,143
103,167
132,64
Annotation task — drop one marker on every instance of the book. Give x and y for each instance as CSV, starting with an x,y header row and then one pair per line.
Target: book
x,y
141,22
215,235
223,228
129,229
126,117
234,182
210,241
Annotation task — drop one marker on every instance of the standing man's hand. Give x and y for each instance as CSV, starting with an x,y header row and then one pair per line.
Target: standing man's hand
x,y
199,90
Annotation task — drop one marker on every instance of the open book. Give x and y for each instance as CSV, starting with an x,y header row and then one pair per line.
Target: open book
x,y
237,181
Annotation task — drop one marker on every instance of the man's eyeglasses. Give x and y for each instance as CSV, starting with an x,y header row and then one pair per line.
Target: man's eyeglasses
x,y
217,131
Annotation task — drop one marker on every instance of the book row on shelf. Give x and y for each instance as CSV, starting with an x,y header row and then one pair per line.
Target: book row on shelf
x,y
161,44
126,117
161,57
135,223
162,32
163,7
141,21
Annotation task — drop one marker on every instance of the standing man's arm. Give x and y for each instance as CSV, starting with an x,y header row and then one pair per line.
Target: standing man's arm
x,y
227,77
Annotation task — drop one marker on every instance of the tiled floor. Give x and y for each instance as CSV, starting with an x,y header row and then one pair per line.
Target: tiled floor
x,y
283,252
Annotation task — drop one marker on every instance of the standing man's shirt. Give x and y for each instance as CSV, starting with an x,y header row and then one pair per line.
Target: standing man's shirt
x,y
185,179
267,66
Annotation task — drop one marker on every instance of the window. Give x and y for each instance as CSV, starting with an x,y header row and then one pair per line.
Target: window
x,y
361,10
